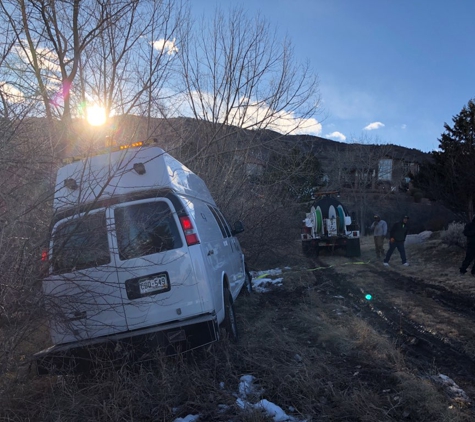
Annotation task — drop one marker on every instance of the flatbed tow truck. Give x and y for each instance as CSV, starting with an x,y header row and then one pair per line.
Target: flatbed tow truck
x,y
329,226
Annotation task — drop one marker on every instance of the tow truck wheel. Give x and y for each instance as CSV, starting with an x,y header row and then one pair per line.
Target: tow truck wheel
x,y
229,324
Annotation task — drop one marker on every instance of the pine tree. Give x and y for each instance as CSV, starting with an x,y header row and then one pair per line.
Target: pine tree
x,y
451,175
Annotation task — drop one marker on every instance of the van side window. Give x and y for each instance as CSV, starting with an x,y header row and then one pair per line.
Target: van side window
x,y
221,225
145,229
225,223
80,243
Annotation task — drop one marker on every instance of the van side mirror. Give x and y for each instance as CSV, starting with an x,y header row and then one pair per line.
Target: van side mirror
x,y
238,228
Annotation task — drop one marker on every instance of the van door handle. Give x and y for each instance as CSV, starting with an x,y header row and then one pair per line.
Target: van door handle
x,y
210,252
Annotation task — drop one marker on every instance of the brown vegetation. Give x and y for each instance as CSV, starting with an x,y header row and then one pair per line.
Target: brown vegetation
x,y
315,346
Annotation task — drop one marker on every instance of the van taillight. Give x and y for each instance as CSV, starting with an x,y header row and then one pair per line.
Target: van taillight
x,y
190,235
44,265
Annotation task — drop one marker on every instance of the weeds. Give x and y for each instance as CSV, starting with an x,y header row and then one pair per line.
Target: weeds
x,y
309,352
454,236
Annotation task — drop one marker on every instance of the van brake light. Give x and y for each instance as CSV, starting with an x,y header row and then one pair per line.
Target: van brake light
x,y
190,235
44,265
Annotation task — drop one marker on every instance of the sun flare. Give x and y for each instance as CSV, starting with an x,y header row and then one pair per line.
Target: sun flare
x,y
96,115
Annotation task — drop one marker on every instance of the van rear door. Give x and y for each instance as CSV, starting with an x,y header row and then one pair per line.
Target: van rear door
x,y
161,277
82,293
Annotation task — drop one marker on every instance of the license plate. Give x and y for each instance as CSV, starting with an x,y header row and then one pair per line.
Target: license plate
x,y
155,284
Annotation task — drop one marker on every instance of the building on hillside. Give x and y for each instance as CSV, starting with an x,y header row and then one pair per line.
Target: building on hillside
x,y
370,167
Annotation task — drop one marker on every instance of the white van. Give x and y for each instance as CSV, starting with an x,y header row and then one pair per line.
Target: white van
x,y
139,254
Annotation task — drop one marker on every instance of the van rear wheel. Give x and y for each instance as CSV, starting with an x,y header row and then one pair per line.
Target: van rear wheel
x,y
229,324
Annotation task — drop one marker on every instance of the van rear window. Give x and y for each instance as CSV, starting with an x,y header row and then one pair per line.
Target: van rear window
x,y
80,243
145,229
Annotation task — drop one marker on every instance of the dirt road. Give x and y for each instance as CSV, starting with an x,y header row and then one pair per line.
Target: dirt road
x,y
428,309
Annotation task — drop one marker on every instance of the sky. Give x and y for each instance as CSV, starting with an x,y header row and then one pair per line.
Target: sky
x,y
390,71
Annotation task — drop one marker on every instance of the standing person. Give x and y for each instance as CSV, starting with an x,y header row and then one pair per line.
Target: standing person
x,y
397,236
469,232
380,228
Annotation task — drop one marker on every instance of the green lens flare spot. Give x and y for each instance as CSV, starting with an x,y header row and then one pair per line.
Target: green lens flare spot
x,y
368,297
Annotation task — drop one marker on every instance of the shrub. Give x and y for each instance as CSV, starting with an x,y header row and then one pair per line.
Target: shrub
x,y
454,235
436,224
417,195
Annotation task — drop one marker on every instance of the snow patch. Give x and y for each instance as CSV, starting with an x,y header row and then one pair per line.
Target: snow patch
x,y
263,281
453,390
418,238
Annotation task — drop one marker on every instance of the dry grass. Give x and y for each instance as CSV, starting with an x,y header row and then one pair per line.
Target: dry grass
x,y
309,351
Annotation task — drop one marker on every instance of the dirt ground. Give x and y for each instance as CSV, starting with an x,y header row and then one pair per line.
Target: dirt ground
x,y
423,314
340,339
428,308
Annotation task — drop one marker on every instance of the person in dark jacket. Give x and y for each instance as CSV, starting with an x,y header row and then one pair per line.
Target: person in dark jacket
x,y
469,232
397,237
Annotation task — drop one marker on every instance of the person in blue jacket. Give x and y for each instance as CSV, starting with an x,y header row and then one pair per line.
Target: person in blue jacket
x,y
397,237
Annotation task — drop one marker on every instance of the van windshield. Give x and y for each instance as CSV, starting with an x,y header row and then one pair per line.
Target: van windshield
x,y
81,243
145,229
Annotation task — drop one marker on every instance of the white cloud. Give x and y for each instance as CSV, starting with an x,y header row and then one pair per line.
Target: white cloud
x,y
167,46
249,115
374,126
12,94
404,126
47,59
338,136
252,115
288,123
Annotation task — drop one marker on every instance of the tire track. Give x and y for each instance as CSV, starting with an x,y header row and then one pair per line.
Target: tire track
x,y
423,346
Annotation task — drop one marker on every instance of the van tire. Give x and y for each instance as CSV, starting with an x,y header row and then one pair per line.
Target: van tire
x,y
229,323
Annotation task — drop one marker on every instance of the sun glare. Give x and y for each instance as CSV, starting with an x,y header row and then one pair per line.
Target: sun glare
x,y
96,115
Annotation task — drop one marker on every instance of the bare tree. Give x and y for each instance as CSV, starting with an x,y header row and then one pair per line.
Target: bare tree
x,y
246,91
121,50
130,64
51,37
24,219
237,73
10,95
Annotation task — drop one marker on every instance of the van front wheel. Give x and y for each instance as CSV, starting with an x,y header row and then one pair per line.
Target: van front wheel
x,y
229,323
